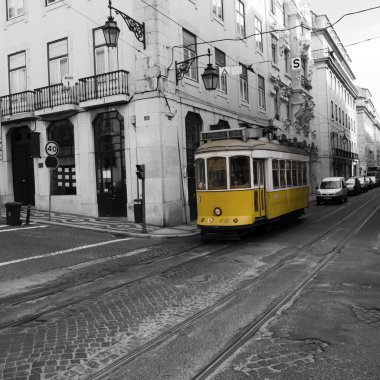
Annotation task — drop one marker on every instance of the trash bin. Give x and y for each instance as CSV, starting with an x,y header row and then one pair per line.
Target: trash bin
x,y
137,208
13,210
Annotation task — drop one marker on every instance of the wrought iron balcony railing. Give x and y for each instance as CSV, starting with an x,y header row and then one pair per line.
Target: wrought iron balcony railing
x,y
55,95
102,85
17,103
344,154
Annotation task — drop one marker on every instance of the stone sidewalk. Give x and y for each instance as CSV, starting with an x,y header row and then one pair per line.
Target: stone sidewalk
x,y
118,226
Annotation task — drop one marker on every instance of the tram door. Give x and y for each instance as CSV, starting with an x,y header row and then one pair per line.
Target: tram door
x,y
259,188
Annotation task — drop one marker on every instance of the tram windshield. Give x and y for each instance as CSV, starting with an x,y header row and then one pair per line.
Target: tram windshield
x,y
216,173
239,172
200,174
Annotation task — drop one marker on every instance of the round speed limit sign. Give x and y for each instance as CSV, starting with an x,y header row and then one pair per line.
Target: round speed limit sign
x,y
51,148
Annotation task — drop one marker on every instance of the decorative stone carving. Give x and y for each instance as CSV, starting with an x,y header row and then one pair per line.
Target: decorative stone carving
x,y
304,45
284,41
313,134
303,116
286,123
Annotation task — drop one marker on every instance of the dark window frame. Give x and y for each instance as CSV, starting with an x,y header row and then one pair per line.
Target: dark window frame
x,y
238,12
57,57
7,10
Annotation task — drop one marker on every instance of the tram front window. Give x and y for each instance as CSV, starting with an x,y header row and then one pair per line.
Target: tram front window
x,y
216,173
240,173
200,174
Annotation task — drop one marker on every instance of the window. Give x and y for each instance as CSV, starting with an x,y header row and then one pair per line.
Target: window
x,y
287,60
217,173
273,6
276,105
190,51
200,174
336,112
17,72
294,174
240,177
105,59
64,177
282,174
288,165
279,173
274,51
217,8
284,14
342,117
48,2
332,110
220,61
244,84
15,8
275,174
261,87
240,18
58,60
259,35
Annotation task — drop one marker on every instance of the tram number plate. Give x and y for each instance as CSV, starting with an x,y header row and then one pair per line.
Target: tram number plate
x,y
224,220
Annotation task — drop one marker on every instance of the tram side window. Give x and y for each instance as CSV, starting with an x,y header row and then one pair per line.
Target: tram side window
x,y
288,173
200,174
299,173
304,173
282,174
240,172
275,174
255,173
216,173
294,173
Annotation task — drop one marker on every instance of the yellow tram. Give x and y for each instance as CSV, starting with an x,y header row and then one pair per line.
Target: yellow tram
x,y
244,183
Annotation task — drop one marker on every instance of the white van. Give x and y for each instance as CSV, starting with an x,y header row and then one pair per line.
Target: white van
x,y
332,189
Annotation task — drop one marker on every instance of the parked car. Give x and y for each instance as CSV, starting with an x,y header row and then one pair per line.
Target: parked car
x,y
373,179
332,189
353,186
369,182
363,184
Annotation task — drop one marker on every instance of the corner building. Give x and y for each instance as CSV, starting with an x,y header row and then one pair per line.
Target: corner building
x,y
112,108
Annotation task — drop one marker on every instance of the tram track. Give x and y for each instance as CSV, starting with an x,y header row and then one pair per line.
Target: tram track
x,y
250,330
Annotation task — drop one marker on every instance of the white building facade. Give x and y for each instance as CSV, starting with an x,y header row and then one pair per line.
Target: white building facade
x,y
335,97
131,104
368,131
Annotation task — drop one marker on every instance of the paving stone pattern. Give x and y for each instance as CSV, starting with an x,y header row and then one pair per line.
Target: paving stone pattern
x,y
279,356
77,340
371,316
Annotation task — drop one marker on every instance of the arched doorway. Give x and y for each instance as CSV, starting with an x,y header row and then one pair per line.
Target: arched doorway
x,y
110,164
193,124
22,166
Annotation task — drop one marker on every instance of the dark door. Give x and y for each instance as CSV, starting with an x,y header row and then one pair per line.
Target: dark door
x,y
110,164
22,166
193,123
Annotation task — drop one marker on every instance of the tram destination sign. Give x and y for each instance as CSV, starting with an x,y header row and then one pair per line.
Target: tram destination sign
x,y
51,148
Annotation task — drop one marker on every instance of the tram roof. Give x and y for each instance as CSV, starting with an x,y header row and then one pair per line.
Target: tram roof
x,y
251,144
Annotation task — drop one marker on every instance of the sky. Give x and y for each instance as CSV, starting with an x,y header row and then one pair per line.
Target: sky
x,y
356,28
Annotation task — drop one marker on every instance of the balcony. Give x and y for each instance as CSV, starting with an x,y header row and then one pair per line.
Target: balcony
x,y
56,99
306,83
104,89
339,153
18,106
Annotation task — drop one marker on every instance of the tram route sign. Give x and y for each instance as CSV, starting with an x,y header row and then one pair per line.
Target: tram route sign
x,y
51,148
51,162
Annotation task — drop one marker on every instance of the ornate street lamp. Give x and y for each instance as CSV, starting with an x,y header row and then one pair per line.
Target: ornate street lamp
x,y
210,75
111,31
344,138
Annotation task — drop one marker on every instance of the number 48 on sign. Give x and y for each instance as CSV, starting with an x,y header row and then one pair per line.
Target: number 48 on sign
x,y
51,148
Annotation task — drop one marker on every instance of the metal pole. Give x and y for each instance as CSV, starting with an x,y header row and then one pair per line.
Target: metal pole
x,y
143,231
49,193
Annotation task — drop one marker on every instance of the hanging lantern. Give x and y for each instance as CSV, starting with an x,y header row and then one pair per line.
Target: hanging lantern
x,y
111,32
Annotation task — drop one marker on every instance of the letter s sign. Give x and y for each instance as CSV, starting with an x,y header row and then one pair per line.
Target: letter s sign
x,y
296,63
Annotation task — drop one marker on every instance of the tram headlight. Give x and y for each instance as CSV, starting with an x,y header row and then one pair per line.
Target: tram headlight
x,y
217,211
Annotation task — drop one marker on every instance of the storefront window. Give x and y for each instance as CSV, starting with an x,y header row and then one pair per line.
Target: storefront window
x,y
64,177
240,175
217,173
